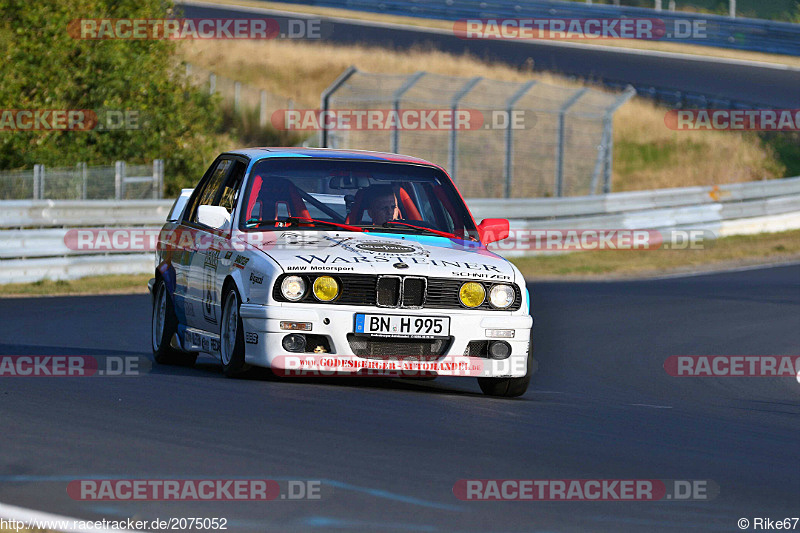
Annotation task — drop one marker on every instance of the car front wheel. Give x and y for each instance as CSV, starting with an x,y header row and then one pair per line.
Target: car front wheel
x,y
231,336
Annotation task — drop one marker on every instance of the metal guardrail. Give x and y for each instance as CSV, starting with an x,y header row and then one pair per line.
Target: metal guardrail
x,y
36,248
74,213
721,31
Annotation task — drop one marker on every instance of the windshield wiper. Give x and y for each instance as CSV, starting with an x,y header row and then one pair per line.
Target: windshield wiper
x,y
440,233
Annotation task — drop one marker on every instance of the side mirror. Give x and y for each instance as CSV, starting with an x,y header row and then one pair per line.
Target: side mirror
x,y
493,229
214,216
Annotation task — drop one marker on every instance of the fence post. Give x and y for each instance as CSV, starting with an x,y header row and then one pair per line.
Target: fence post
x,y
452,149
508,163
658,5
608,125
119,179
600,162
83,169
158,178
562,113
732,9
262,109
38,182
396,106
325,99
237,95
212,83
188,70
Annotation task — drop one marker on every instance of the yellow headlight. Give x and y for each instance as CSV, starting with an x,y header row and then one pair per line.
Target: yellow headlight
x,y
325,288
472,294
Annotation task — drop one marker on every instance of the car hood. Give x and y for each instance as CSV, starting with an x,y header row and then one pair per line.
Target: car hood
x,y
380,253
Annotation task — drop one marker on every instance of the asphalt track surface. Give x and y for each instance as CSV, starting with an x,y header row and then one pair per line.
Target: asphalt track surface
x,y
389,452
738,81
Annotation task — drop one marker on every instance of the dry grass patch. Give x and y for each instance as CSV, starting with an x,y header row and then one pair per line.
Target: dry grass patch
x,y
647,154
120,284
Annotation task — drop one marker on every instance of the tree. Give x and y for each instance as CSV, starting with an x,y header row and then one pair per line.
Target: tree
x,y
43,66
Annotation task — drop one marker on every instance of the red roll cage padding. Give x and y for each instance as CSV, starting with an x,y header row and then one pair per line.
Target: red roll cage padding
x,y
272,193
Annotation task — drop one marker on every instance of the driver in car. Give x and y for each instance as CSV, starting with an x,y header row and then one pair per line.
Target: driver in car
x,y
381,204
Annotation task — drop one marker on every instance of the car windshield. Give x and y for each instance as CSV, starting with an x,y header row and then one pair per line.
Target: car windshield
x,y
373,196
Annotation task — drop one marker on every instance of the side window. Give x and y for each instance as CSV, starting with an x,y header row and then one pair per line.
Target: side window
x,y
212,187
232,186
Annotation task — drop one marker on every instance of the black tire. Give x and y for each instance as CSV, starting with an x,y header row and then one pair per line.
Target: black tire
x,y
508,387
163,352
233,365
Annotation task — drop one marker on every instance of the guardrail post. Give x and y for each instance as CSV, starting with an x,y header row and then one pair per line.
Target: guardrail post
x,y
237,95
325,100
658,5
212,83
452,148
562,112
119,179
262,109
732,9
84,170
395,148
508,169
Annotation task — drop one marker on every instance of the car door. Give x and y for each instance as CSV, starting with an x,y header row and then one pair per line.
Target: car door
x,y
213,253
200,298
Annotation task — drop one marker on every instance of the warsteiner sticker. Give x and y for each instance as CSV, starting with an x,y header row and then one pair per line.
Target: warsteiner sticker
x,y
387,258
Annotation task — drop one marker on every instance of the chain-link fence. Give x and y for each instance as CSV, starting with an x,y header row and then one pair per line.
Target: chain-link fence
x,y
524,139
82,182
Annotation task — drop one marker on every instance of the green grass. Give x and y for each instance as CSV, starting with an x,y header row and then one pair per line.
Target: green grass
x,y
632,156
727,252
784,10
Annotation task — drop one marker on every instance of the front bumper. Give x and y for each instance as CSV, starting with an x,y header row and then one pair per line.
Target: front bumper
x,y
264,347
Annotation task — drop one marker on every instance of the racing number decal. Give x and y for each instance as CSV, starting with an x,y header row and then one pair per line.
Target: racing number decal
x,y
210,286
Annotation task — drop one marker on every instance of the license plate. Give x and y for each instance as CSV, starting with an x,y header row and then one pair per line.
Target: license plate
x,y
402,325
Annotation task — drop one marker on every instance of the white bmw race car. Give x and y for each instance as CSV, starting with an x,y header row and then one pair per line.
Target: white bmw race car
x,y
317,262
